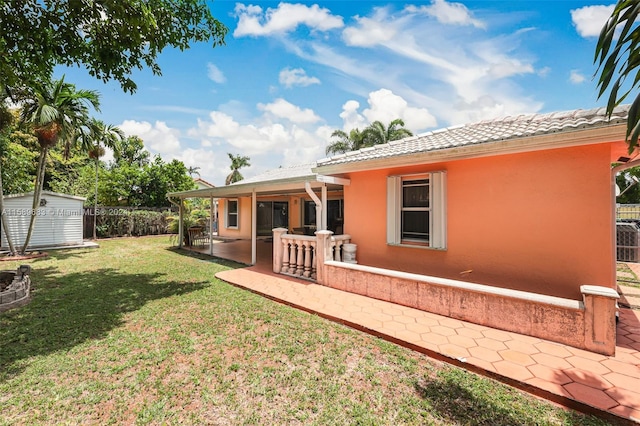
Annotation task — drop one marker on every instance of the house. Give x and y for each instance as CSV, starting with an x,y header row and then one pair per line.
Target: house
x,y
508,223
202,184
59,221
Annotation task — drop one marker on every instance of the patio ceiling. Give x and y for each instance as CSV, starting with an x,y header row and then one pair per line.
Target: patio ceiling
x,y
286,186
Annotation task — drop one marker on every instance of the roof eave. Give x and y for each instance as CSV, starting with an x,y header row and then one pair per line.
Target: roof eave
x,y
246,189
590,136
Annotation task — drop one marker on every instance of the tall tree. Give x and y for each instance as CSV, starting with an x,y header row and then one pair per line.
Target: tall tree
x,y
56,112
109,38
374,134
345,142
102,136
132,152
618,61
194,170
377,133
237,162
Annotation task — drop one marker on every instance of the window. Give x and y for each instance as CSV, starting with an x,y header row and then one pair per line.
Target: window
x,y
232,214
272,214
416,210
335,215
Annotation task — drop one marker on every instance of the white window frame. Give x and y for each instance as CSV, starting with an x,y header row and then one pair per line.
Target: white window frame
x,y
436,210
228,213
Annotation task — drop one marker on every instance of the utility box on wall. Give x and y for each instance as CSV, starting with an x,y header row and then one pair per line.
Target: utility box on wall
x,y
59,220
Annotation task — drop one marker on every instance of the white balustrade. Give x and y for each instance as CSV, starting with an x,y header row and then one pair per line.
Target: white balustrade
x,y
336,245
296,255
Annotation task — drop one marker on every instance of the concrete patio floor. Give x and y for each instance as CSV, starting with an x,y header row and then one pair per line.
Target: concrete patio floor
x,y
607,386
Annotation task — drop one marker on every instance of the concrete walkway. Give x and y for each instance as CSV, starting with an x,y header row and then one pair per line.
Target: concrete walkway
x,y
606,386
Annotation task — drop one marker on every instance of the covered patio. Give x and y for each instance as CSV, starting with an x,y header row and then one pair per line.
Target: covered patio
x,y
238,251
243,215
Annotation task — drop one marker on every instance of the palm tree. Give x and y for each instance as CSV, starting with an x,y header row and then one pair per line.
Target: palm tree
x,y
618,61
102,136
193,170
376,133
56,111
237,162
352,141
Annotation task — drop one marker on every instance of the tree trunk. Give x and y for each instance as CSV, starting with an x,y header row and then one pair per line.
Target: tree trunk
x,y
37,193
5,226
95,205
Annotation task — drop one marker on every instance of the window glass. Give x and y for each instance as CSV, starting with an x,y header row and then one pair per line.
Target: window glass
x,y
232,213
415,193
415,225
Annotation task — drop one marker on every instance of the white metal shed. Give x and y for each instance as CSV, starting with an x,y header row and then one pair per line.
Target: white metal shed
x,y
59,220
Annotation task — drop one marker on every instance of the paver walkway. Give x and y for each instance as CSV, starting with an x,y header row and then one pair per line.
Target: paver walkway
x,y
606,386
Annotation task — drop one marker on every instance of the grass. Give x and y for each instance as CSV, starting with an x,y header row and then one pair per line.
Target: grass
x,y
137,333
625,276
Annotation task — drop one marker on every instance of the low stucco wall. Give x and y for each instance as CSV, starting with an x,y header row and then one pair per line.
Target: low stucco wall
x,y
586,325
540,222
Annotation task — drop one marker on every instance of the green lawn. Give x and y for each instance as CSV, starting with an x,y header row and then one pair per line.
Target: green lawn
x,y
137,333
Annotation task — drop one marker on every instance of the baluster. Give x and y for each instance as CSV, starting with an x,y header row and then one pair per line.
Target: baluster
x,y
300,260
337,251
313,261
307,259
285,256
292,257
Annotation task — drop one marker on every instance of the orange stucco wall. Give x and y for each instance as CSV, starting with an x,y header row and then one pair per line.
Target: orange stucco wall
x,y
244,230
539,222
244,220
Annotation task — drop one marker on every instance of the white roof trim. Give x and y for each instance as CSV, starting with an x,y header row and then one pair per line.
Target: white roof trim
x,y
294,184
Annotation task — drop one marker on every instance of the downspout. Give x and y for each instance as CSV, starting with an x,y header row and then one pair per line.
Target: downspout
x,y
318,202
180,234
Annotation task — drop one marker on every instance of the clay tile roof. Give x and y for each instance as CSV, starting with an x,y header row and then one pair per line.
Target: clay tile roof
x,y
499,129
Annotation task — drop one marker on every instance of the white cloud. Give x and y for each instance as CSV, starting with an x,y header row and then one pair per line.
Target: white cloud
x,y
351,118
163,140
576,77
544,72
296,77
214,73
448,13
158,137
254,21
471,68
280,108
386,106
369,31
589,20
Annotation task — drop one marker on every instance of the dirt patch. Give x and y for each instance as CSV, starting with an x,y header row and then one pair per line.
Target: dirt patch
x,y
6,278
26,256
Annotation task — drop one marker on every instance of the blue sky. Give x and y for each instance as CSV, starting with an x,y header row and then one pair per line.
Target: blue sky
x,y
291,73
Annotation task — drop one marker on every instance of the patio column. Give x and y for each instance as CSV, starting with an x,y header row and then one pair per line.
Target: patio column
x,y
180,222
324,207
212,216
254,227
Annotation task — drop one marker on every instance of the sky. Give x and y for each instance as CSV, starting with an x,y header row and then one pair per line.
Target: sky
x,y
292,73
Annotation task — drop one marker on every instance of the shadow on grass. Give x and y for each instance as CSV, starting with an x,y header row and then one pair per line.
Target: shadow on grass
x,y
207,258
462,398
68,309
